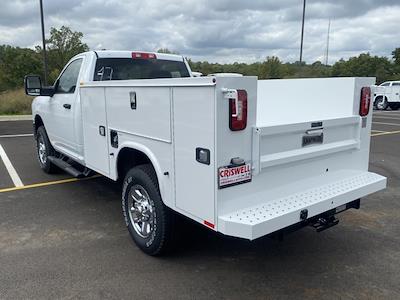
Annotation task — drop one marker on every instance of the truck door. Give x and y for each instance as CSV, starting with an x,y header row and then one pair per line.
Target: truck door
x,y
95,133
62,108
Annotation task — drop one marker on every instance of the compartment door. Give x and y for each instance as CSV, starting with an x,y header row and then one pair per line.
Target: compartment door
x,y
193,109
95,132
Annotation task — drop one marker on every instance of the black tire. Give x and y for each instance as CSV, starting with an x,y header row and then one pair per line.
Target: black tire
x,y
381,103
157,237
43,154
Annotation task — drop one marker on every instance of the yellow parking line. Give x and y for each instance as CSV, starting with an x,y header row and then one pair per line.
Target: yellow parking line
x,y
36,185
386,133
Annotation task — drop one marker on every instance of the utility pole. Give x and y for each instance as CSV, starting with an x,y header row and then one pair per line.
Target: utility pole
x,y
43,43
302,31
327,43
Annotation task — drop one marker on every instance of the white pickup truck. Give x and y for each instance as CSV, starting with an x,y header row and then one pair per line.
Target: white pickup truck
x,y
387,95
242,156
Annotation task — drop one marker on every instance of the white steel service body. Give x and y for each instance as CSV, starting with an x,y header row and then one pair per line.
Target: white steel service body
x,y
175,116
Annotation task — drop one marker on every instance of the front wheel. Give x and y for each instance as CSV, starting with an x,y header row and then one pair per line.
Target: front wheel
x,y
381,103
149,221
44,149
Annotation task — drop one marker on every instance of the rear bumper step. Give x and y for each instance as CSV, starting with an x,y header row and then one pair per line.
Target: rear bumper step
x,y
275,214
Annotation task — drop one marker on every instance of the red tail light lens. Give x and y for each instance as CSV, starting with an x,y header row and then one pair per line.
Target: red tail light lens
x,y
238,119
141,55
365,101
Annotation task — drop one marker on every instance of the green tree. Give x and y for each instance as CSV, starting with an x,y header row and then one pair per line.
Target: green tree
x,y
272,68
15,63
396,56
62,45
167,51
365,65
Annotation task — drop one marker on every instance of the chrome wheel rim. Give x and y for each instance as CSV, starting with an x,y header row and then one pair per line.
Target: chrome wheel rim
x,y
42,150
141,211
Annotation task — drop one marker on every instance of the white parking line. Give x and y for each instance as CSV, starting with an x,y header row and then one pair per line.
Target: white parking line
x,y
384,117
382,123
389,113
15,135
10,168
373,130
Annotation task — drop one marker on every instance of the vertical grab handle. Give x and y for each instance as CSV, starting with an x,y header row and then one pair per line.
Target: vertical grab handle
x,y
232,94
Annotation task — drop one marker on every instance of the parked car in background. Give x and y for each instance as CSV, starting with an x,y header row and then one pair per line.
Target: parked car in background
x,y
387,95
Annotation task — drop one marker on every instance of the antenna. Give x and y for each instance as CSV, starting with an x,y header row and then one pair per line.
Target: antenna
x,y
327,43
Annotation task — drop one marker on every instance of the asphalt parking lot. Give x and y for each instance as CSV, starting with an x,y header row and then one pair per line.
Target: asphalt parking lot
x,y
61,238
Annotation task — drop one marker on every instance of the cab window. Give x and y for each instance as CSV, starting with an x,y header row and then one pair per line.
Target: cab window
x,y
128,68
69,78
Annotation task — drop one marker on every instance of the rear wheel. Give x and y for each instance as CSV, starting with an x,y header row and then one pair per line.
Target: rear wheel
x,y
149,221
381,103
44,149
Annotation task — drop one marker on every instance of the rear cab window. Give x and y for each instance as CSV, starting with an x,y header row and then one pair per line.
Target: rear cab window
x,y
128,68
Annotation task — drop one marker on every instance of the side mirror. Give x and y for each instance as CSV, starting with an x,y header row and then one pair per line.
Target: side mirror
x,y
33,87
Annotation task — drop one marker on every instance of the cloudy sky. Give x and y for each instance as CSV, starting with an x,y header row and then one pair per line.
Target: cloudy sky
x,y
214,30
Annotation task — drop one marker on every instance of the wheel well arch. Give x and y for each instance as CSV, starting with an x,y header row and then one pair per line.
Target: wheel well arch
x,y
37,123
130,157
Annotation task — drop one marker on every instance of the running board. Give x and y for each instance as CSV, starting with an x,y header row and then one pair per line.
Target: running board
x,y
65,166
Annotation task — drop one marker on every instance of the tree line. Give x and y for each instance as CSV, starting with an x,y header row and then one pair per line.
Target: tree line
x,y
16,62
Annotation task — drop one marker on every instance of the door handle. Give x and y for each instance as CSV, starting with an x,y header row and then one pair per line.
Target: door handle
x,y
67,106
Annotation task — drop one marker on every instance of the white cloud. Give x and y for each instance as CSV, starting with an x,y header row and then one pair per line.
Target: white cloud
x,y
214,30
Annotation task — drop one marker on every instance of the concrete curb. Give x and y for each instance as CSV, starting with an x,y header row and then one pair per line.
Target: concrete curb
x,y
16,118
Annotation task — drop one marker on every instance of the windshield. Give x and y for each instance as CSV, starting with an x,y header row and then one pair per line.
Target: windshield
x,y
128,68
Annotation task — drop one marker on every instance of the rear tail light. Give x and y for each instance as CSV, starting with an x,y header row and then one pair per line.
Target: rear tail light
x,y
141,55
238,111
365,101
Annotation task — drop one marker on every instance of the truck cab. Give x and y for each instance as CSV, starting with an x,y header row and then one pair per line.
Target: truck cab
x,y
60,111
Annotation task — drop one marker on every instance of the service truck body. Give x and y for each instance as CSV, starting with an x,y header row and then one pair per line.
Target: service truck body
x,y
387,95
242,156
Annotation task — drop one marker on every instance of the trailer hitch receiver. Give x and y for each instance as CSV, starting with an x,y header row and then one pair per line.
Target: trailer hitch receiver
x,y
325,222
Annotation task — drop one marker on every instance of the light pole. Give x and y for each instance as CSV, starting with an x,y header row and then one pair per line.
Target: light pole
x,y
43,43
327,43
302,31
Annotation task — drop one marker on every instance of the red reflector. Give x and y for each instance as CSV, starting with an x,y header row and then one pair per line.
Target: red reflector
x,y
365,101
141,55
211,225
238,119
